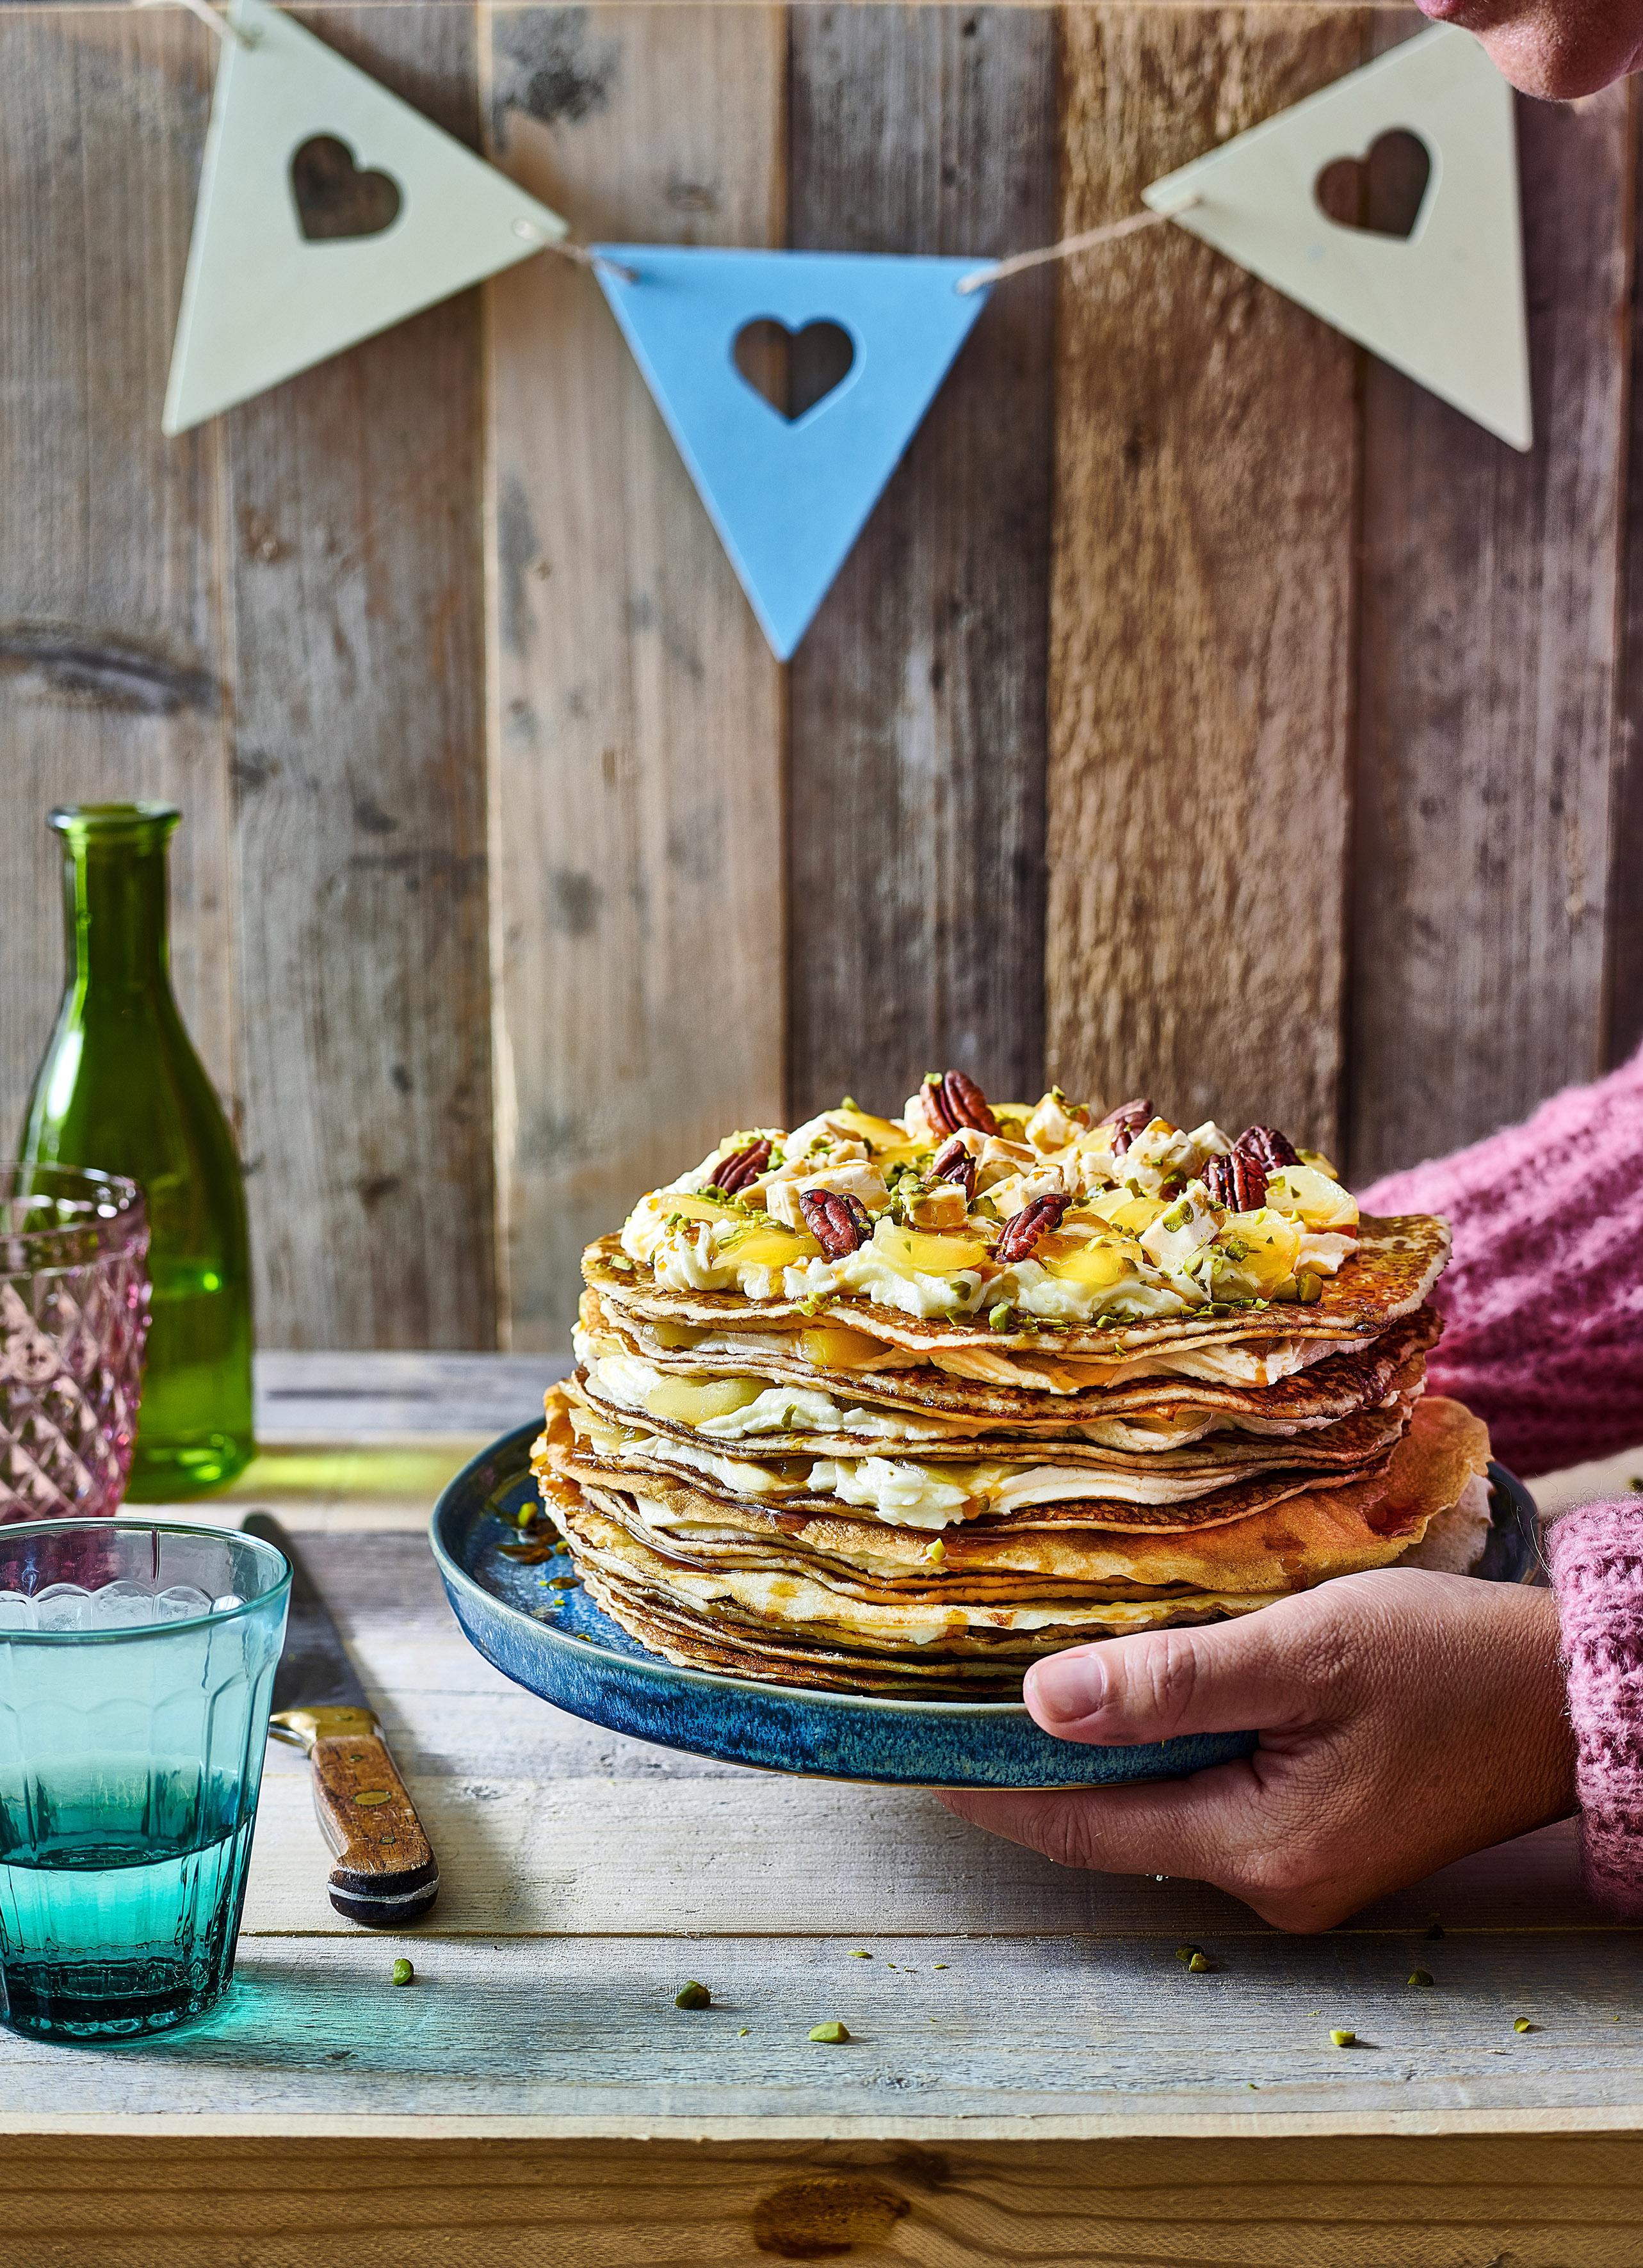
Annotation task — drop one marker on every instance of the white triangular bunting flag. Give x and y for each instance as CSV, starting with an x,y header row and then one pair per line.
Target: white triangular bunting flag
x,y
260,300
1446,307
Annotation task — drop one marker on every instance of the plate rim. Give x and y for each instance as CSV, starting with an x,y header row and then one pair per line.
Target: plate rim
x,y
713,1681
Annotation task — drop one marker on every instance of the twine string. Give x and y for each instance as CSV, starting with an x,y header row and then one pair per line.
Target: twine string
x,y
1088,239
221,25
578,253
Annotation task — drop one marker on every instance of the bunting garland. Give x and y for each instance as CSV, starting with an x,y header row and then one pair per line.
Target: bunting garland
x,y
276,283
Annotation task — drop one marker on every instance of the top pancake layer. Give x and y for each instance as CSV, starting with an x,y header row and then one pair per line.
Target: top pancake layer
x,y
1396,1263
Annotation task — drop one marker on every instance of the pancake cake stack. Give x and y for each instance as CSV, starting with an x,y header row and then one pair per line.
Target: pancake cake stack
x,y
896,1405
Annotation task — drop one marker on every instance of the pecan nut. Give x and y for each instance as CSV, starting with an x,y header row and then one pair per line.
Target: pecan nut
x,y
838,1223
734,1172
1267,1145
1022,1230
1236,1181
1126,1122
953,1163
955,1101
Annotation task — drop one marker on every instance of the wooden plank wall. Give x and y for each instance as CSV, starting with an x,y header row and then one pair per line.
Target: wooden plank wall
x,y
1205,710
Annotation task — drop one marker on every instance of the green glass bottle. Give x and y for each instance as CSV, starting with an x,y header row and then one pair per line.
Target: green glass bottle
x,y
121,1088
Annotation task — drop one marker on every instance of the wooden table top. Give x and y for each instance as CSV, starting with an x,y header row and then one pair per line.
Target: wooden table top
x,y
587,1877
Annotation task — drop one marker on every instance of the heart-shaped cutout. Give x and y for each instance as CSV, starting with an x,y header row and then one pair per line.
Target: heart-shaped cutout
x,y
1383,194
794,369
333,198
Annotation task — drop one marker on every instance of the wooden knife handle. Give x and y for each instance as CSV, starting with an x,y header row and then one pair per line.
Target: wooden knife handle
x,y
386,1872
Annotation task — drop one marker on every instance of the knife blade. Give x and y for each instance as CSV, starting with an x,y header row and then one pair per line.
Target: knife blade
x,y
386,1872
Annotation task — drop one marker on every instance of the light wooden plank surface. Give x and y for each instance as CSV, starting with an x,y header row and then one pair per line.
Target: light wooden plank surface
x,y
1200,674
637,740
353,517
1014,2038
111,662
917,701
1487,712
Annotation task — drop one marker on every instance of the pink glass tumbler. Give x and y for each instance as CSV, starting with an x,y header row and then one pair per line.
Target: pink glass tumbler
x,y
74,1307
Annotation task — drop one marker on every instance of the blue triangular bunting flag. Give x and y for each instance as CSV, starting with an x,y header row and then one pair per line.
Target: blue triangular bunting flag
x,y
789,498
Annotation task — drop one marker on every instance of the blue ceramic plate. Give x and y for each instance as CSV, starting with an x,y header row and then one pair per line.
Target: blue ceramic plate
x,y
579,1658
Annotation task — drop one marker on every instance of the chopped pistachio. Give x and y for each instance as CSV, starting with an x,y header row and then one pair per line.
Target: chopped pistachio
x,y
402,1972
742,2032
828,2036
936,1552
1197,1965
942,1964
524,1516
859,1953
1309,1288
692,1996
999,1317
1184,1953
1420,1975
1344,2039
1522,2024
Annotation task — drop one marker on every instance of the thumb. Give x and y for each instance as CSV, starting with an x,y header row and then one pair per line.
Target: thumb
x,y
1247,1676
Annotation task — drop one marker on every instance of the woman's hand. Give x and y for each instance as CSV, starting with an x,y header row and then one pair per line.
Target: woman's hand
x,y
1405,1720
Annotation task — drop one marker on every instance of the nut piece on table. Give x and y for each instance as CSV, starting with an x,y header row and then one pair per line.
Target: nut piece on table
x,y
840,1224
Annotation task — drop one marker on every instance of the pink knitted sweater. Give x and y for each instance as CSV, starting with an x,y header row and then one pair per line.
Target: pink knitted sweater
x,y
1544,1302
1543,1338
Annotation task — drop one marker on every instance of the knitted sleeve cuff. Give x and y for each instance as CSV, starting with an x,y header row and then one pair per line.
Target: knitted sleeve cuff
x,y
1596,1560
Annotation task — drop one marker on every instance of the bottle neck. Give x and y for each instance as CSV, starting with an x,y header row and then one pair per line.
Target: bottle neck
x,y
114,900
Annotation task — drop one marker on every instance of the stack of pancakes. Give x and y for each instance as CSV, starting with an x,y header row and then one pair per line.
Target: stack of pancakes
x,y
809,1440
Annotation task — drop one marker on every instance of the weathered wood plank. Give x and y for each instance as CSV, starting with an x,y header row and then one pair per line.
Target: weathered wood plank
x,y
636,739
357,592
1034,2035
1200,677
1623,972
361,1398
110,659
916,713
1487,712
172,2201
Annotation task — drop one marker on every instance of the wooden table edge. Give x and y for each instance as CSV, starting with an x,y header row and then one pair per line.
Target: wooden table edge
x,y
1256,2126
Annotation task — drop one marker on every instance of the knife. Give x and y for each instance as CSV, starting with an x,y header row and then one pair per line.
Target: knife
x,y
386,1872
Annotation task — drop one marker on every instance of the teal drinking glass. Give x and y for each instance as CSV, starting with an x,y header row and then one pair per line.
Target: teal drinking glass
x,y
137,1667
